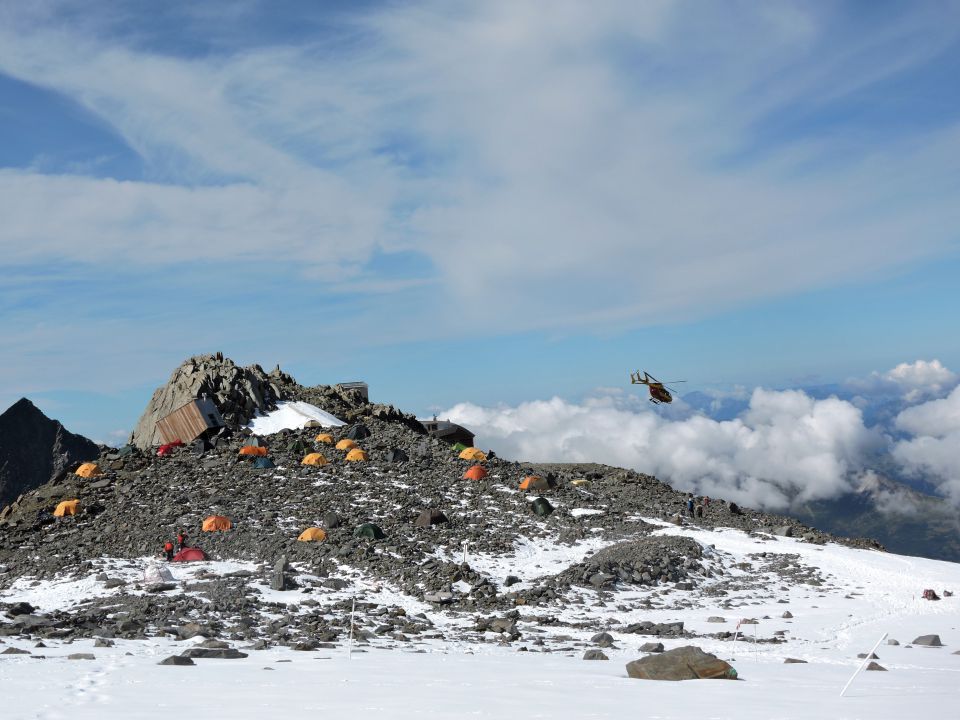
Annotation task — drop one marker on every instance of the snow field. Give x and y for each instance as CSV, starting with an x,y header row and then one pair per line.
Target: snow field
x,y
862,595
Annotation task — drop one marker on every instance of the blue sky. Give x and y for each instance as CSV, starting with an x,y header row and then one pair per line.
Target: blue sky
x,y
482,202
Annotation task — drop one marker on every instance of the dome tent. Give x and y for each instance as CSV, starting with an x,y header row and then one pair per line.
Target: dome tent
x,y
263,463
542,507
472,453
89,470
325,438
67,507
315,459
369,531
426,518
346,444
216,522
190,554
357,432
535,483
475,472
357,455
313,534
253,451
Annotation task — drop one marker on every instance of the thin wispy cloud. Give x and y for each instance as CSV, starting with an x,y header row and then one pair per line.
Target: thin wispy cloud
x,y
562,150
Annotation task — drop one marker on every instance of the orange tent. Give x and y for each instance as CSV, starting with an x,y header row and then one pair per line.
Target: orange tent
x,y
473,453
67,507
324,438
314,534
253,451
89,470
314,459
216,522
356,455
346,444
477,472
534,482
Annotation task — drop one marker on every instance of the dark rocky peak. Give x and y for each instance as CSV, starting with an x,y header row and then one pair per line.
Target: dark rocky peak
x,y
35,449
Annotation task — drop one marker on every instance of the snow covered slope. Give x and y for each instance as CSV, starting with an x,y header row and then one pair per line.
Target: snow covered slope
x,y
841,601
292,416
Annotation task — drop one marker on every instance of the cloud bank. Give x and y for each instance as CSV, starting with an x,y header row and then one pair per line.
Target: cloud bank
x,y
785,448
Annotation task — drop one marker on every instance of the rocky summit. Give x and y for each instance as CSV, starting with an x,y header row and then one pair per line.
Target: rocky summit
x,y
371,542
35,449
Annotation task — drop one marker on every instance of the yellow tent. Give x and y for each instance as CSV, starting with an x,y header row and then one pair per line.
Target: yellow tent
x,y
324,438
89,470
216,522
346,444
472,453
67,507
314,459
314,534
534,482
356,455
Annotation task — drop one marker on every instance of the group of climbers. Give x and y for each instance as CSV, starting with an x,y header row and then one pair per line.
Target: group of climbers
x,y
168,546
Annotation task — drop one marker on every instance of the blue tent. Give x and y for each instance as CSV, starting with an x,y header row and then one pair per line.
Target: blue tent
x,y
263,463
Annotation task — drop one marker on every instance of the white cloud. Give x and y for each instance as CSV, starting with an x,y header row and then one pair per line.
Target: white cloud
x,y
564,152
786,447
932,452
913,382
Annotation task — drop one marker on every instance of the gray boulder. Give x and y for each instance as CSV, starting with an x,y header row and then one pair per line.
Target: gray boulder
x,y
652,647
176,660
928,641
215,653
595,654
683,663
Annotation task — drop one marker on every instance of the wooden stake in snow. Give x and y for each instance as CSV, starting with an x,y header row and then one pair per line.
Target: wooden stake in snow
x,y
353,613
863,664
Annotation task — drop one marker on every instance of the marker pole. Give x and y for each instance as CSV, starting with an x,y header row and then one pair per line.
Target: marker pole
x,y
863,664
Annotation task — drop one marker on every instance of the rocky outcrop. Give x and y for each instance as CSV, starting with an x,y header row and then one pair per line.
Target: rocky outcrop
x,y
35,449
239,392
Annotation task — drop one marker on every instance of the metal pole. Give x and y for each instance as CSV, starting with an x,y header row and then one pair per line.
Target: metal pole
x,y
865,661
353,611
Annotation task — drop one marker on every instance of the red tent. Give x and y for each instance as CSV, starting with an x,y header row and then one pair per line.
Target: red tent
x,y
164,449
190,554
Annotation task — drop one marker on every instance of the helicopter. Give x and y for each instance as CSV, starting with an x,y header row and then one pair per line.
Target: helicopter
x,y
659,392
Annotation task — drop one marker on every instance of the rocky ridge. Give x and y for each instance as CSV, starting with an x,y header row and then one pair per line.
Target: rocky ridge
x,y
141,500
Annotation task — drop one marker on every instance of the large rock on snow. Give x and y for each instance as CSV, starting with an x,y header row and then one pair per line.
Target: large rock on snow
x,y
238,392
683,663
35,449
928,641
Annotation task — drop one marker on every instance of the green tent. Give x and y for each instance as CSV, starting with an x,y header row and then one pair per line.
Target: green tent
x,y
369,531
542,507
299,447
459,448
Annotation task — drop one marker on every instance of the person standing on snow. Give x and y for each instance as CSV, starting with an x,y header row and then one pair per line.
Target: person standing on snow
x,y
168,549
